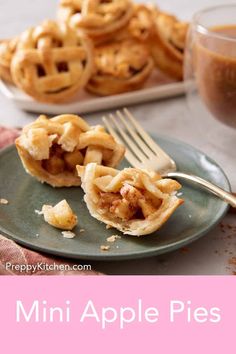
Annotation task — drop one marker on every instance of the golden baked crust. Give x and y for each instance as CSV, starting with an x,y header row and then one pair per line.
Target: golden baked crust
x,y
120,67
97,17
52,62
50,149
140,25
167,43
136,202
7,50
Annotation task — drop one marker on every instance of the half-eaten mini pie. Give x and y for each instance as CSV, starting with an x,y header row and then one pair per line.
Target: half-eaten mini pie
x,y
7,50
50,149
120,67
98,18
136,202
167,43
52,62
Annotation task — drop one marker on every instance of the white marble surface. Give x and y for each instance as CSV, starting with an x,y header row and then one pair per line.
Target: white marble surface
x,y
209,255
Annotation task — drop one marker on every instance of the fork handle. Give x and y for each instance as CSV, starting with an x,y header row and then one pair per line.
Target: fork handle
x,y
221,193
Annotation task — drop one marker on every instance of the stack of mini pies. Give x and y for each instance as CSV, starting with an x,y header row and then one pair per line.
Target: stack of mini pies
x,y
104,47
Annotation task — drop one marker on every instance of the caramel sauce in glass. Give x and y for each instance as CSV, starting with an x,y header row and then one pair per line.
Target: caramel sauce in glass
x,y
215,68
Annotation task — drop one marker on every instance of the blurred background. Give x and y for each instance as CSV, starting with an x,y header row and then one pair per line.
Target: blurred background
x,y
16,15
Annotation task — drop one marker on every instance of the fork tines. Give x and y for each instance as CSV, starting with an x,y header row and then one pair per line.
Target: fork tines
x,y
140,147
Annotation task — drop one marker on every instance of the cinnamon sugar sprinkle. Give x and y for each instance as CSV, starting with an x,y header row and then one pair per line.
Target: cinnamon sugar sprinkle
x,y
184,250
229,237
232,261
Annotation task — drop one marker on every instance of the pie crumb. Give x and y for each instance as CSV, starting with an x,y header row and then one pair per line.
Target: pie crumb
x,y
3,201
113,238
104,248
39,212
60,215
81,230
68,234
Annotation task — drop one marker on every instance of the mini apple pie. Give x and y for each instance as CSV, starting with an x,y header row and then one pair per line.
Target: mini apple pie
x,y
50,149
136,202
167,44
140,24
7,50
98,18
120,67
52,62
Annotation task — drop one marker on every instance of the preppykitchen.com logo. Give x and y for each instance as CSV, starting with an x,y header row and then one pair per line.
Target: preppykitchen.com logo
x,y
45,267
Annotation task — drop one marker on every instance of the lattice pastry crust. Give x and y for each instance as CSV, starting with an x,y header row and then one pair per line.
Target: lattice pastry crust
x,y
140,25
7,50
120,67
50,149
167,44
52,62
98,18
136,202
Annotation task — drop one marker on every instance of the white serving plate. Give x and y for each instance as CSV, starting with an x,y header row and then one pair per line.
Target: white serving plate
x,y
157,87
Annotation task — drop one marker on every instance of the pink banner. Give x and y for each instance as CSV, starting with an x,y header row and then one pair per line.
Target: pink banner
x,y
117,314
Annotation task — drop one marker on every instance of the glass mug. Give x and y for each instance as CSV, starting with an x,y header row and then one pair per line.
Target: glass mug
x,y
210,62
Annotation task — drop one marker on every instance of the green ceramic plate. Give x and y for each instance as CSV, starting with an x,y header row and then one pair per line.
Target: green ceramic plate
x,y
200,212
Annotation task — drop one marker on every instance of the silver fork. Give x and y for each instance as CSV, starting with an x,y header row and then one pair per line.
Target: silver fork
x,y
143,152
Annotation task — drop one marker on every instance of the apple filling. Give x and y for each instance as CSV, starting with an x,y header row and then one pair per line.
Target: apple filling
x,y
134,201
121,60
129,203
60,161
